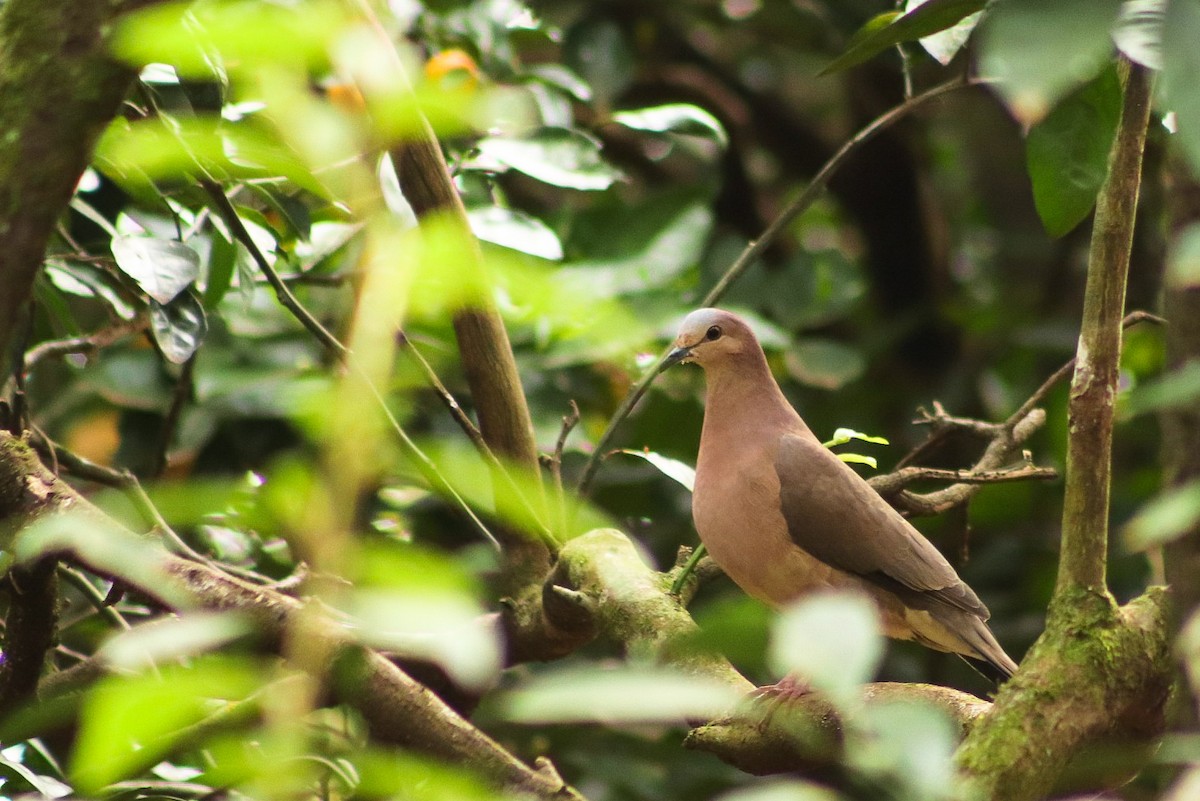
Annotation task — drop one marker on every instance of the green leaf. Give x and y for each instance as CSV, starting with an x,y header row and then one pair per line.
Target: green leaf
x,y
515,229
944,45
161,267
681,472
222,259
911,743
858,458
781,790
676,118
1165,518
824,363
892,28
1067,152
1181,74
1177,389
832,640
1039,51
626,695
558,156
170,638
179,326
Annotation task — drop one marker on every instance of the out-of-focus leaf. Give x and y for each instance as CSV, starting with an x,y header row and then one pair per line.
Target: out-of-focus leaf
x,y
1067,152
557,156
162,268
683,473
780,790
171,638
832,640
944,45
675,118
909,742
412,777
201,39
222,258
891,28
561,77
1038,52
627,695
514,229
823,363
1178,388
179,326
858,458
130,379
128,723
598,50
1166,517
1139,31
1183,261
1181,74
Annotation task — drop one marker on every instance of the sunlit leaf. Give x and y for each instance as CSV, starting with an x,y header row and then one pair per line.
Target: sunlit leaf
x,y
558,156
831,640
1067,152
1165,518
179,326
1038,52
515,229
912,743
199,39
843,435
128,723
627,695
858,458
1181,74
161,267
944,45
681,472
675,118
891,28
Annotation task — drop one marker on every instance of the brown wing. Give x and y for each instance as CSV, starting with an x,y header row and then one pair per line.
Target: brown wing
x,y
833,514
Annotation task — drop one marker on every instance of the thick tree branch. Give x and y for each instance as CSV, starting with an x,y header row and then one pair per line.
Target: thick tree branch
x,y
1098,671
58,89
398,709
1094,384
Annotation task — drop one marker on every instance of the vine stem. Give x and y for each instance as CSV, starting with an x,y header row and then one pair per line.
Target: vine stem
x,y
755,249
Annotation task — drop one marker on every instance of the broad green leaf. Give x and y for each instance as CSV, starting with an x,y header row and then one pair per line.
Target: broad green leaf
x,y
1179,388
47,786
558,156
823,363
411,777
179,326
625,695
912,744
681,472
677,118
781,790
1165,518
944,45
170,638
832,640
515,229
892,28
222,259
1139,31
1067,152
1039,51
162,268
129,723
201,39
561,77
1181,74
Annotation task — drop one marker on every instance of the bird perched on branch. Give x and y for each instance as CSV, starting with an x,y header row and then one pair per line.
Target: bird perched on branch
x,y
784,516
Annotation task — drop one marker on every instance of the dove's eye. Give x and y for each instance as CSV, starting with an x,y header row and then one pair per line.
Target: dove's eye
x,y
713,333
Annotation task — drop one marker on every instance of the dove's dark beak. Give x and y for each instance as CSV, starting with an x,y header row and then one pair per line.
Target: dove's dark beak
x,y
676,356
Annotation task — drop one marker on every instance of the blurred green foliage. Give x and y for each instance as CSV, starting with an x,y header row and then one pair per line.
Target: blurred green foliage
x,y
614,159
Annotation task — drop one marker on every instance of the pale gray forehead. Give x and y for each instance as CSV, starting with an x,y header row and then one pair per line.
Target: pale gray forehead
x,y
702,319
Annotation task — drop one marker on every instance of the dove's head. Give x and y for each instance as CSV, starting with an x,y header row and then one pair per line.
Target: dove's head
x,y
714,338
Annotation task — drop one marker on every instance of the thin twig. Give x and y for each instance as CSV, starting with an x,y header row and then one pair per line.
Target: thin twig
x,y
569,422
179,398
93,595
755,249
87,343
452,405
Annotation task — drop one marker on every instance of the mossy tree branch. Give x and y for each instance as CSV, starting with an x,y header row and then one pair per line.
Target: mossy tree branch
x,y
1098,672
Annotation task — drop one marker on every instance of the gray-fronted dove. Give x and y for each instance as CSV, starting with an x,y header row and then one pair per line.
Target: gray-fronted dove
x,y
783,516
